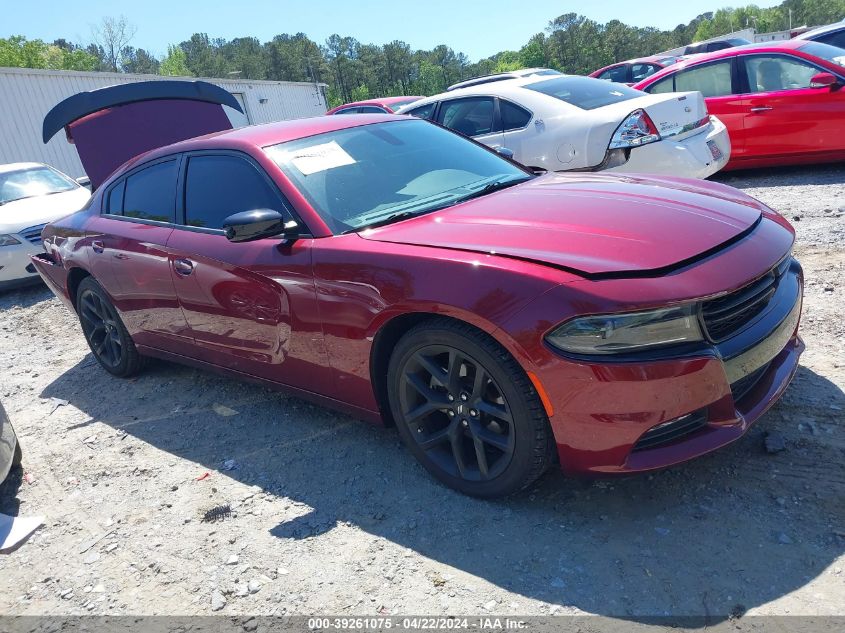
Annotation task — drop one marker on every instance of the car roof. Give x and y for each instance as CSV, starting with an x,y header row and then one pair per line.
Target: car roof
x,y
376,102
497,77
821,30
8,167
694,60
273,133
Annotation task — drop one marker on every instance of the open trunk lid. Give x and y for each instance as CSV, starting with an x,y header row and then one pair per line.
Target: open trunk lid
x,y
111,125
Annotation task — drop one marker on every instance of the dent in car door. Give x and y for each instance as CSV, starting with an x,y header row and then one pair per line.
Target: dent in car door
x,y
250,306
129,256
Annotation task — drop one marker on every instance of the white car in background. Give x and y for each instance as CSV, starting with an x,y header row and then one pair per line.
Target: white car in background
x,y
31,195
569,122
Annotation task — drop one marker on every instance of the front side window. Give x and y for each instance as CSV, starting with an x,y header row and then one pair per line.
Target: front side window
x,y
775,73
348,111
151,192
711,80
374,174
35,181
513,116
586,93
472,116
218,186
618,74
641,71
371,110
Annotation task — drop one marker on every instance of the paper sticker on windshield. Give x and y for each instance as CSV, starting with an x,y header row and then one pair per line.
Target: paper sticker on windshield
x,y
317,158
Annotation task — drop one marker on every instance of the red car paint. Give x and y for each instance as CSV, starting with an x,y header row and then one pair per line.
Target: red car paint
x,y
388,105
310,315
785,127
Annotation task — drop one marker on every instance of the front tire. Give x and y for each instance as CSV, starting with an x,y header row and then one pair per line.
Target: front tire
x,y
467,411
106,335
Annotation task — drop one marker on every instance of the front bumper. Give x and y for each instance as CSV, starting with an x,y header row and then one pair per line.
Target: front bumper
x,y
691,156
16,269
607,414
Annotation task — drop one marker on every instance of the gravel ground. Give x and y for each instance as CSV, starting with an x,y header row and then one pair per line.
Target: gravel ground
x,y
327,514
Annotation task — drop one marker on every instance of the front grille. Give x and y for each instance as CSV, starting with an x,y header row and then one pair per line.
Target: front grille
x,y
33,233
745,384
671,431
727,315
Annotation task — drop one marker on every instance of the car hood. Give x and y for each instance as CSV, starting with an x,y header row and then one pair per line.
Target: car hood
x,y
22,214
596,224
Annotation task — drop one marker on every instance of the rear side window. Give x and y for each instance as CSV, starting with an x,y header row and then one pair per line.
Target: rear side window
x,y
218,186
513,116
151,193
115,203
833,39
348,111
586,93
618,74
712,80
667,84
471,117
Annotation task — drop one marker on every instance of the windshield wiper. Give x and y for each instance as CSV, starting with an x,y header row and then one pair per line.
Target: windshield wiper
x,y
491,187
395,217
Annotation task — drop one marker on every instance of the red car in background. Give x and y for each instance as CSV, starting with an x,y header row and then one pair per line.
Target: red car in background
x,y
635,70
503,321
783,103
385,105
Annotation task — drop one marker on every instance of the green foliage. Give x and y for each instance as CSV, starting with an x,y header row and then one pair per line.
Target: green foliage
x,y
355,71
17,51
175,64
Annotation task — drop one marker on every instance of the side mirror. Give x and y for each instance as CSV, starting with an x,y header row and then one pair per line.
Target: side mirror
x,y
824,80
257,224
84,181
504,151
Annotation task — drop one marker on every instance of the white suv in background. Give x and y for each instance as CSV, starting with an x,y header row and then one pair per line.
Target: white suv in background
x,y
31,195
568,122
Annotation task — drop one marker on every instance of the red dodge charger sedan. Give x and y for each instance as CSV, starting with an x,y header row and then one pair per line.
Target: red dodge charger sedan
x,y
502,321
783,103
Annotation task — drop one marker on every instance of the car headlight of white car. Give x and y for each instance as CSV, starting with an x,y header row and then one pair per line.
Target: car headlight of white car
x,y
9,240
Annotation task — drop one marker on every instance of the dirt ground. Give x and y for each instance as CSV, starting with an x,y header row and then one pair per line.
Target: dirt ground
x,y
330,515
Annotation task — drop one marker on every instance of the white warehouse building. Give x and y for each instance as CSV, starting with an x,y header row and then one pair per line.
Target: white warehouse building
x,y
27,94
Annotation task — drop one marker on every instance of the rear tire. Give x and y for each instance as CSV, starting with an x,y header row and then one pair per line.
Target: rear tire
x,y
467,410
106,335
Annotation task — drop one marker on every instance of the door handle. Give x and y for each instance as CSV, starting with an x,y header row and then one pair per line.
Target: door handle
x,y
97,246
761,108
183,267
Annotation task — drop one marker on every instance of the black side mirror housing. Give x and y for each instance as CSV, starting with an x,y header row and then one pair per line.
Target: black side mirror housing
x,y
258,224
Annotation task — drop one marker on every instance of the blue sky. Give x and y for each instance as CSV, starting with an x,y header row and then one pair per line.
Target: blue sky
x,y
479,29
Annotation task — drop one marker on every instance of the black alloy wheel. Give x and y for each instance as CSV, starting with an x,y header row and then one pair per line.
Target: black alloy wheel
x,y
106,335
467,410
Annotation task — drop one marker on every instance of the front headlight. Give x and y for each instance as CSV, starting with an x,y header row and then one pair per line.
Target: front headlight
x,y
631,332
8,240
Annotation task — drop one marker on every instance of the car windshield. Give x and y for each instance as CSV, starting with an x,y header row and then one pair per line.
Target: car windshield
x,y
833,54
586,93
379,173
35,181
